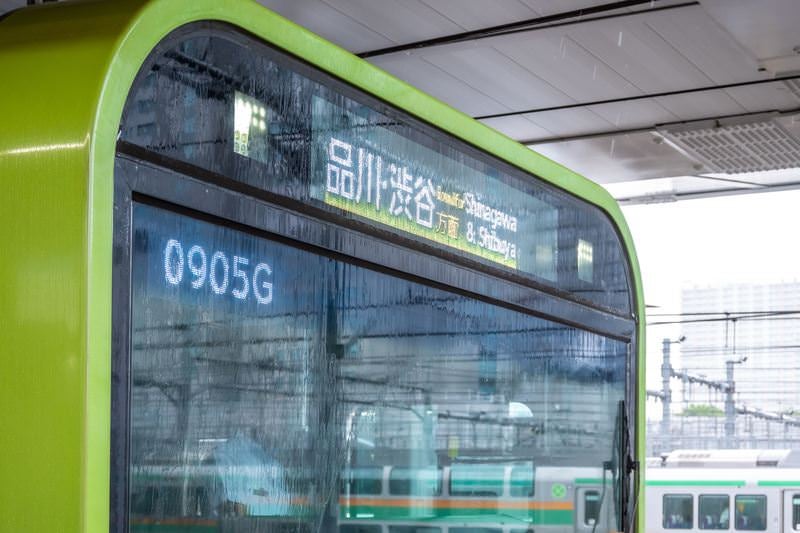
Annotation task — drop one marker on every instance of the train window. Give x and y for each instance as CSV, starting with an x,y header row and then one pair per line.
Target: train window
x,y
678,511
359,528
415,482
365,481
476,480
713,511
796,512
260,370
414,529
522,481
591,507
751,512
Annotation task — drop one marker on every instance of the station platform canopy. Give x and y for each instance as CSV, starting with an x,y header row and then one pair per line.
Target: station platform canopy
x,y
658,100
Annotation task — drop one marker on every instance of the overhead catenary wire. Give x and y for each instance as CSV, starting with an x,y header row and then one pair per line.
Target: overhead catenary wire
x,y
721,316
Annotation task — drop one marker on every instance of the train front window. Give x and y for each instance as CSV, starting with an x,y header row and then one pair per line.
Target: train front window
x,y
677,511
276,387
751,512
418,482
714,511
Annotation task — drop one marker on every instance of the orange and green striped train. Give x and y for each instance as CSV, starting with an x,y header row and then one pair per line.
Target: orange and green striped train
x,y
495,500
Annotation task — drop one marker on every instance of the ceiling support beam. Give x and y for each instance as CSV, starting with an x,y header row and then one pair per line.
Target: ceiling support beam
x,y
652,128
639,97
677,196
534,24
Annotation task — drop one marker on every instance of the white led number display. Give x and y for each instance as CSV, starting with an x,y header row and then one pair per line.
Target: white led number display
x,y
220,272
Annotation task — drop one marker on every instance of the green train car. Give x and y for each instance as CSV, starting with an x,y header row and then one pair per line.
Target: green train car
x,y
252,283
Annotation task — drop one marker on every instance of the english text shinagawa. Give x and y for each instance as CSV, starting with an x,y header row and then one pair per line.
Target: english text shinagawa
x,y
493,216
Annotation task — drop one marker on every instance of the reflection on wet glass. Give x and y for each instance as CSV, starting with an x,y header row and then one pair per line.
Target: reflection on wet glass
x,y
232,105
278,390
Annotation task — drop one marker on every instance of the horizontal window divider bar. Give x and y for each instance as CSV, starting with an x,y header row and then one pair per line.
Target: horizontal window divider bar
x,y
584,315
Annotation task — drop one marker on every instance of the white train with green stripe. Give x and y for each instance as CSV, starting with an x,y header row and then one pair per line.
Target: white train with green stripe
x,y
475,498
724,490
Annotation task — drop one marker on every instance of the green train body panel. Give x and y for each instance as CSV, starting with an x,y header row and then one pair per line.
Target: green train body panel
x,y
66,72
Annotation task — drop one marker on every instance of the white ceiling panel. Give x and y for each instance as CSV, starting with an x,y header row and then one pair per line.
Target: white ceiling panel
x,y
330,23
565,64
492,72
767,28
550,7
518,127
435,81
770,96
476,14
570,122
699,38
642,56
636,114
694,106
401,22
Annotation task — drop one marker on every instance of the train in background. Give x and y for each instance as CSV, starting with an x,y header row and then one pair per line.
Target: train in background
x,y
724,490
460,498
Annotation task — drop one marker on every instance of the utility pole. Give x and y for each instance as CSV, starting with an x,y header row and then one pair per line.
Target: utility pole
x,y
666,398
730,406
730,409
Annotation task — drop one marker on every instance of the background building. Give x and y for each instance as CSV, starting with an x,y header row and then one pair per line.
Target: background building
x,y
755,326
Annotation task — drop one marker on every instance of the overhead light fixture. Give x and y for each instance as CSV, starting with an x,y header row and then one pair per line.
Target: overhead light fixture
x,y
732,146
788,65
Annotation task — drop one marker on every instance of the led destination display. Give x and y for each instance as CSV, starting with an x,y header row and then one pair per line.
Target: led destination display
x,y
443,196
